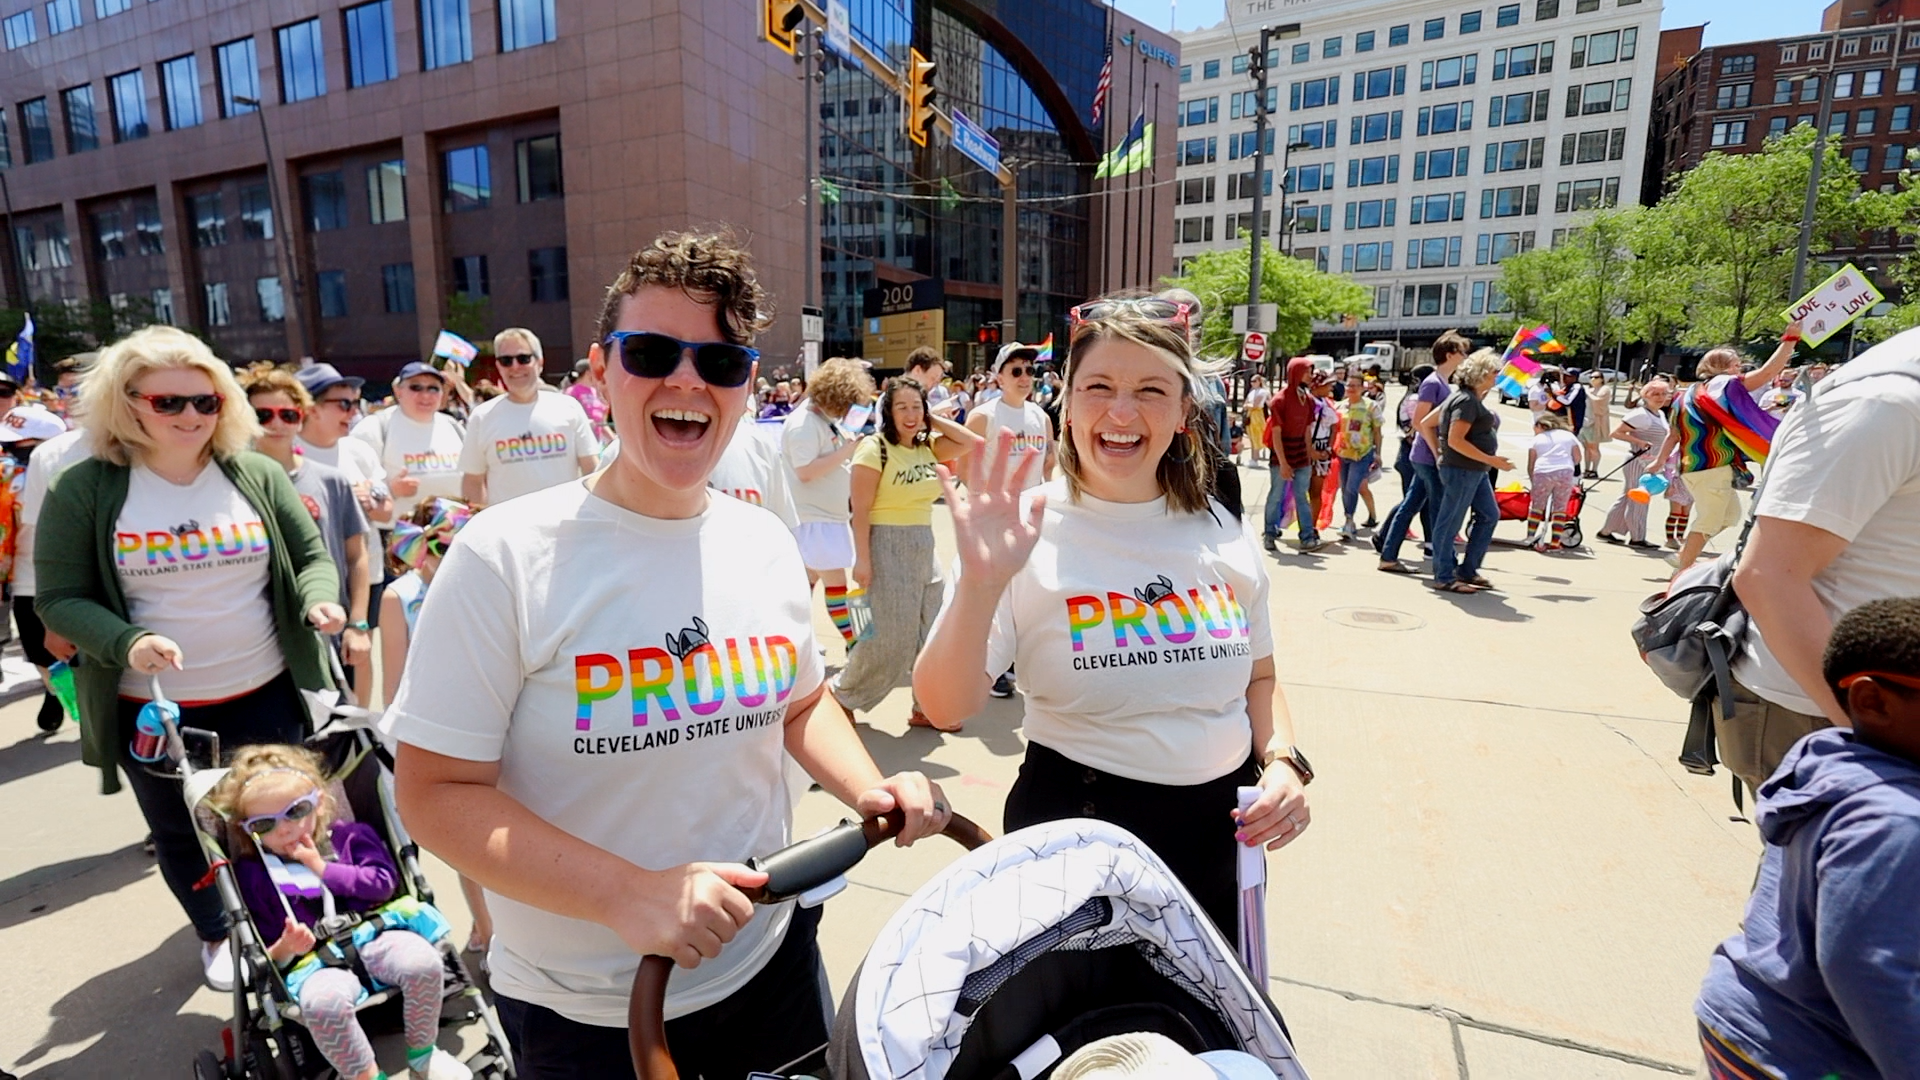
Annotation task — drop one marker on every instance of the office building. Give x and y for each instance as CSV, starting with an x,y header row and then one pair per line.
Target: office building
x,y
1417,144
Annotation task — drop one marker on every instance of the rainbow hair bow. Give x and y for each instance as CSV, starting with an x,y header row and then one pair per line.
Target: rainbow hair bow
x,y
410,541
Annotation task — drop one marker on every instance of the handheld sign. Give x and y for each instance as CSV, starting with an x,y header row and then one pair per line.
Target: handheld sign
x,y
1833,304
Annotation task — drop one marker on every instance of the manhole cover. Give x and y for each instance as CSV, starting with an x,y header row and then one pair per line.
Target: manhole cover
x,y
1366,618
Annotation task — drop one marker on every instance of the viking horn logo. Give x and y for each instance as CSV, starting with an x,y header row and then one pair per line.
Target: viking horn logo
x,y
1157,590
186,527
686,641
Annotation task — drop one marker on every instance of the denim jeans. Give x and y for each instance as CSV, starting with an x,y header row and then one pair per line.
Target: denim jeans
x,y
1464,489
1353,473
1302,508
1420,499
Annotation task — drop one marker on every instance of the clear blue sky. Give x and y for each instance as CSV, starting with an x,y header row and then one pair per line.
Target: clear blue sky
x,y
1727,20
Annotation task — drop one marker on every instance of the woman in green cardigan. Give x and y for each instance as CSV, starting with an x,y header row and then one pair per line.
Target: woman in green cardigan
x,y
177,552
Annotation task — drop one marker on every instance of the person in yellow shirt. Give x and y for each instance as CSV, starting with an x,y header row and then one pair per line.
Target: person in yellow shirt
x,y
895,483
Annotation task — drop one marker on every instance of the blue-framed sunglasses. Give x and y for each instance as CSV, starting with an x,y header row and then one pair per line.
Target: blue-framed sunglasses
x,y
648,355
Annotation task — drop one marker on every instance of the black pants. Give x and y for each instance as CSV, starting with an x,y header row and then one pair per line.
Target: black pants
x,y
779,1016
1190,828
274,713
33,633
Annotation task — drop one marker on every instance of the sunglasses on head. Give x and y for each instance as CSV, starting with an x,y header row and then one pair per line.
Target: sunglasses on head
x,y
514,359
287,416
298,810
648,355
175,404
1149,307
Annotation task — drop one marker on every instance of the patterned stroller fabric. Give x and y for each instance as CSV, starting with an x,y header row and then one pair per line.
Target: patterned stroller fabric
x,y
1066,885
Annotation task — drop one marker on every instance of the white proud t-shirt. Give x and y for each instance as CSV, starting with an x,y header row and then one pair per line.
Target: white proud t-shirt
x,y
429,453
806,437
1135,631
49,460
754,470
1029,425
192,561
631,675
525,448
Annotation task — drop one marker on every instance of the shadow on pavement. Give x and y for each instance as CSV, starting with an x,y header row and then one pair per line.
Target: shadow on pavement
x,y
133,1013
37,892
1484,605
36,754
898,753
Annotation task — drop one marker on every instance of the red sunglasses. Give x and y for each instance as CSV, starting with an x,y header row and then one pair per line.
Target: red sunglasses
x,y
1911,682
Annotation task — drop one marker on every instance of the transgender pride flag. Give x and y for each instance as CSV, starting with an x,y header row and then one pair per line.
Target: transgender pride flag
x,y
1519,369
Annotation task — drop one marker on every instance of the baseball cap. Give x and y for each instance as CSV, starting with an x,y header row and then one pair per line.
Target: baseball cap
x,y
30,422
319,378
1150,1055
418,367
1011,350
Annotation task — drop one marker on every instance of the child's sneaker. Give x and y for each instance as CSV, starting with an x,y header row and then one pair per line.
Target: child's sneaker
x,y
441,1066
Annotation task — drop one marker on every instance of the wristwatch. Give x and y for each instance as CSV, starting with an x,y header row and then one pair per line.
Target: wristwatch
x,y
1295,760
361,625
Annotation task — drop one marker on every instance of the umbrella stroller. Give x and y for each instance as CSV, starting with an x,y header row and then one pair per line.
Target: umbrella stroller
x,y
1515,503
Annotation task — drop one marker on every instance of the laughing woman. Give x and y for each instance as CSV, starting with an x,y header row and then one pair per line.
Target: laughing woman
x,y
1135,608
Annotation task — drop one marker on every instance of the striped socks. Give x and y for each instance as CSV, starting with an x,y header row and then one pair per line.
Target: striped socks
x,y
837,611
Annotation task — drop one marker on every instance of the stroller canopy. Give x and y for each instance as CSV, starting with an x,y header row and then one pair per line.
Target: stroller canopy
x,y
1062,886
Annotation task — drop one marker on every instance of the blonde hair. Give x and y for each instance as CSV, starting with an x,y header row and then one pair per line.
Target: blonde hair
x,y
252,762
521,332
1475,369
1719,361
1552,422
106,407
839,385
1185,471
267,377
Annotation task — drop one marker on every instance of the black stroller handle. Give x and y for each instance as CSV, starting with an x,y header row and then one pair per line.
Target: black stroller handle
x,y
790,871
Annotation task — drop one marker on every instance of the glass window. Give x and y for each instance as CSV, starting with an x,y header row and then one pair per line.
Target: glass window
x,y
547,274
396,283
1507,15
180,92
36,130
537,163
387,192
1860,158
1734,96
1470,23
1737,65
219,313
369,40
62,16
77,105
325,197
1363,41
470,276
109,238
467,186
1210,69
1843,85
163,306
1896,158
273,305
1301,53
1907,79
1582,7
446,35
1729,133
1810,88
1239,63
303,71
1776,126
19,29
1546,9
128,92
1902,118
1398,35
1837,123
239,76
256,212
104,8
1782,91
1330,48
1871,82
1186,73
526,23
146,227
1864,120
332,287
1433,30
209,224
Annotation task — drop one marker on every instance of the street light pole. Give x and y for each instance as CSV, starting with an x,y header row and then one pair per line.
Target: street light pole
x,y
277,203
1257,67
1799,286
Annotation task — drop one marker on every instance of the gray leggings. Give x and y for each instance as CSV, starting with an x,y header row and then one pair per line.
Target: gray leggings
x,y
905,597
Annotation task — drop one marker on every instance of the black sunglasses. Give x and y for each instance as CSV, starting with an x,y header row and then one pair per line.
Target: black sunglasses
x,y
423,388
648,355
1016,372
287,416
513,359
175,404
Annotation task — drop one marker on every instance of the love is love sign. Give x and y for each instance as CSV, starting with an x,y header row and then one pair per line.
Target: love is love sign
x,y
1833,304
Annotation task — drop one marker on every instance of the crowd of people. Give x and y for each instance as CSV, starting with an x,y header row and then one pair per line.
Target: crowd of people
x,y
517,559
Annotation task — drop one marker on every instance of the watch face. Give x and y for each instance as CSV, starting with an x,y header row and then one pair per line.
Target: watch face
x,y
1300,760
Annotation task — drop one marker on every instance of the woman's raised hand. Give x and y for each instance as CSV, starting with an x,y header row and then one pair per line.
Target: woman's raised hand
x,y
993,535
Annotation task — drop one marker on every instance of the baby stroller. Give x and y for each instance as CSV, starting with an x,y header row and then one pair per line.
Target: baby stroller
x,y
1030,947
1516,501
267,1039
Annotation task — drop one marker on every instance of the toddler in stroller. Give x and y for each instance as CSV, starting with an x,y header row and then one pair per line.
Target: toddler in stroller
x,y
298,868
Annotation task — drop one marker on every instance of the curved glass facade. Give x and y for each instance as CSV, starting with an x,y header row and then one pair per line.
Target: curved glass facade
x,y
896,212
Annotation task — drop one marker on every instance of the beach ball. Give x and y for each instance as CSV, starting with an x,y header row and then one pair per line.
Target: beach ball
x,y
1653,483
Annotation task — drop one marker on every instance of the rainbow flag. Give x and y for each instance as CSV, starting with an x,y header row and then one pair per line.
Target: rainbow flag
x,y
1719,423
1045,353
1516,375
1520,370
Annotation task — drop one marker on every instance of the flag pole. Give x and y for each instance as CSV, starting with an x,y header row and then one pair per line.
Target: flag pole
x,y
1139,278
1153,193
1106,147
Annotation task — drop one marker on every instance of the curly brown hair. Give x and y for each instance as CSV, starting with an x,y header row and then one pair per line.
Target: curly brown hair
x,y
711,268
266,377
839,385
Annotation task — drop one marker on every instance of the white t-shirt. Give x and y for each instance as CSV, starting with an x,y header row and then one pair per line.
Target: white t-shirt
x,y
360,461
1258,397
942,401
540,646
1554,451
193,561
1648,425
1030,431
1847,460
753,469
525,448
427,452
805,437
1135,632
49,460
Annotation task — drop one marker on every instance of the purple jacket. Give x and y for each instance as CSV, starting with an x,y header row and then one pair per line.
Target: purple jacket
x,y
361,877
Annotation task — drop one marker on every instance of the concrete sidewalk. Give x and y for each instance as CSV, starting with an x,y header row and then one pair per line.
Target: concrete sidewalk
x,y
1507,875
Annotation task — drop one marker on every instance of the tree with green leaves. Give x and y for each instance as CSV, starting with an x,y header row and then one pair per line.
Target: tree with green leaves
x,y
1301,293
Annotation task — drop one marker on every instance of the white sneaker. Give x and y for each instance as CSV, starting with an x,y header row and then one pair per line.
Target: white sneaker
x,y
443,1066
216,958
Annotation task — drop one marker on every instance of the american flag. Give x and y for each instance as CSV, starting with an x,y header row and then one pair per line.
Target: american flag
x,y
1104,88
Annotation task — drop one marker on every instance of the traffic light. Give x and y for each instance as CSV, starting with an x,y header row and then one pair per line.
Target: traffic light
x,y
920,96
783,16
